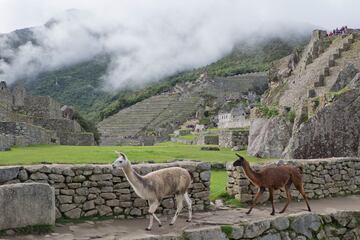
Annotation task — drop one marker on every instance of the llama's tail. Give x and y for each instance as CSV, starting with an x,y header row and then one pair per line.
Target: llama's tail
x,y
301,169
191,177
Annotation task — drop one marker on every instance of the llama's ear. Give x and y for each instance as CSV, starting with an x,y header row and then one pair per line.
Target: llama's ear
x,y
118,153
238,155
123,155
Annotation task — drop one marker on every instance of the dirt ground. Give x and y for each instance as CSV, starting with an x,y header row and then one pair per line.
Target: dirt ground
x,y
135,228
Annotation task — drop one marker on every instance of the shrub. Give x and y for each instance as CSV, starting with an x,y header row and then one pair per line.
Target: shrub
x,y
291,116
267,111
207,148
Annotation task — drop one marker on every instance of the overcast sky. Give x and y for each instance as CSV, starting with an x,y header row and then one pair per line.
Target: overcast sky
x,y
324,13
152,39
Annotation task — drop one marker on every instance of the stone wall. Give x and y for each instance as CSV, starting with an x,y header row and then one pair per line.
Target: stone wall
x,y
234,138
100,190
322,178
6,98
6,141
234,122
58,125
24,134
41,106
76,138
203,139
302,226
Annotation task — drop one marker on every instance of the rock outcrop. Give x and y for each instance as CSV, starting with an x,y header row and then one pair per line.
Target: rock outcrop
x,y
332,132
26,204
268,137
320,97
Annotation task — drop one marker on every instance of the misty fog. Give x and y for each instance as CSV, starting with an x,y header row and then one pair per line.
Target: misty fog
x,y
150,40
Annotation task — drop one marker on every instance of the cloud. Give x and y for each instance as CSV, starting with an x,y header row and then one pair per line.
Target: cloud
x,y
149,40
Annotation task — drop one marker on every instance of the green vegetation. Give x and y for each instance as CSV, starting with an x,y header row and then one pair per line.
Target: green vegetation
x,y
210,148
268,111
338,93
218,189
227,229
217,184
87,126
291,115
105,154
187,137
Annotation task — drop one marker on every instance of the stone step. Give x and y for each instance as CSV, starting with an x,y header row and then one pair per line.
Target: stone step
x,y
320,82
326,71
331,62
336,54
311,93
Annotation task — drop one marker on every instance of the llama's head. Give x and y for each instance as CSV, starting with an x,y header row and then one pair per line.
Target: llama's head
x,y
239,162
121,160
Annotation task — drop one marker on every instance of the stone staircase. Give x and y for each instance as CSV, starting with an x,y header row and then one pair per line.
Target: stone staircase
x,y
152,114
318,77
319,86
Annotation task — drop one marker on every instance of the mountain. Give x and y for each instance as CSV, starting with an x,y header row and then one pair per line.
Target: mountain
x,y
80,85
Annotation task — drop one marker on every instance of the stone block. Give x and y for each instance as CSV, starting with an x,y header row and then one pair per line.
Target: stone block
x,y
26,204
205,233
8,173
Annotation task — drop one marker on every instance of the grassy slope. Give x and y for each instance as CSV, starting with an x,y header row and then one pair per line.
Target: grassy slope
x,y
105,154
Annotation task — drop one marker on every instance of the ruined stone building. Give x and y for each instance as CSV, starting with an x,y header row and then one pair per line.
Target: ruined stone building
x,y
236,118
26,120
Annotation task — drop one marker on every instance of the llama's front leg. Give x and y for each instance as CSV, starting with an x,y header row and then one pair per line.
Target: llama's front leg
x,y
179,206
258,194
152,208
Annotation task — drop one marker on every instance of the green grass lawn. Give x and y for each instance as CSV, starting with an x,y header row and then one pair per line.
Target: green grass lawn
x,y
105,154
187,137
217,184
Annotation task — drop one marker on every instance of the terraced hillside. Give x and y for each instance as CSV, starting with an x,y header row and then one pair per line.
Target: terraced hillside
x,y
156,117
150,118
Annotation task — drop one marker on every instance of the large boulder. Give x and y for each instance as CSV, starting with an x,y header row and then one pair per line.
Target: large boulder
x,y
269,137
333,132
26,204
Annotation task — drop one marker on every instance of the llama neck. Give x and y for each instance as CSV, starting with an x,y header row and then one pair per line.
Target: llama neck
x,y
250,174
133,178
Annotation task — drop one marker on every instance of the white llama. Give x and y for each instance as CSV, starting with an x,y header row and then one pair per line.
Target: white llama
x,y
157,185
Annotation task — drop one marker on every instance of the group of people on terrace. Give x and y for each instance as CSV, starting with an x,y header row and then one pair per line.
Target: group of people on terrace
x,y
338,31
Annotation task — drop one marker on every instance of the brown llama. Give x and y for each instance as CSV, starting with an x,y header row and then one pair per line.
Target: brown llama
x,y
273,178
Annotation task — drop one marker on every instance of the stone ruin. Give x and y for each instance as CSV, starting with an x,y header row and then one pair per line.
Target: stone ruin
x,y
26,120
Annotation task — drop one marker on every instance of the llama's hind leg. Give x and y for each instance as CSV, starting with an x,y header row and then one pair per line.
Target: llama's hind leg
x,y
300,188
271,198
258,194
179,206
288,196
189,205
153,205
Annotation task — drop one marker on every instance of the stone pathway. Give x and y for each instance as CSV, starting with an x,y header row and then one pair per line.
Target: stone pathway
x,y
134,228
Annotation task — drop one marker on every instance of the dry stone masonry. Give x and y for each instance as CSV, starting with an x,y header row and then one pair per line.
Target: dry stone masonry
x,y
322,178
100,190
26,120
343,225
